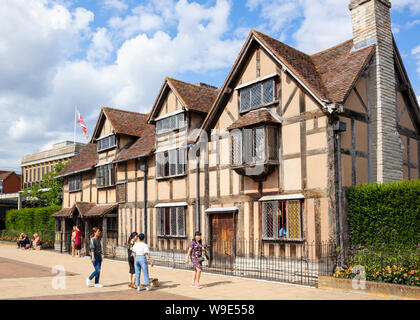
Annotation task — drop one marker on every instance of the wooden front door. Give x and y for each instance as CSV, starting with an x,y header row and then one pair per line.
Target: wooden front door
x,y
222,240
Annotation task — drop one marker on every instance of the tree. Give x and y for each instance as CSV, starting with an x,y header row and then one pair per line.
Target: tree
x,y
46,193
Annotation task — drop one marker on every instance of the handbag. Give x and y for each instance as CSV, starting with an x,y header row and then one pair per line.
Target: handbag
x,y
200,259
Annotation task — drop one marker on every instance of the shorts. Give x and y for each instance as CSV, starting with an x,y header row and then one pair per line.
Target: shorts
x,y
78,246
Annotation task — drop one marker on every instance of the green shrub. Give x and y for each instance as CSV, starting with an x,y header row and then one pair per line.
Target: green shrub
x,y
385,214
30,220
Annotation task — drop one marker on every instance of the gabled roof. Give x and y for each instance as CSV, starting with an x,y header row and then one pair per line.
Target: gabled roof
x,y
328,76
260,116
193,97
122,121
144,146
86,209
339,68
5,174
83,161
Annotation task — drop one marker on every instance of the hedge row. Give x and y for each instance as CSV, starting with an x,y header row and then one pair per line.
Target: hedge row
x,y
31,219
385,214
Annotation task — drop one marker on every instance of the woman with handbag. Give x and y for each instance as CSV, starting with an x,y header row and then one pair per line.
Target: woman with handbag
x,y
196,252
132,271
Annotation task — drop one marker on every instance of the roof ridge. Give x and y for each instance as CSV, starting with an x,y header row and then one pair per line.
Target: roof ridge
x,y
128,111
289,46
191,84
331,48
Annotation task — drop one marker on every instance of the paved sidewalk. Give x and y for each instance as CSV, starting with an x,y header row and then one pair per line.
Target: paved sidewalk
x,y
174,284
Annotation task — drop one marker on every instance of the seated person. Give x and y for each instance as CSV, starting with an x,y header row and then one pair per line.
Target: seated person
x,y
20,241
26,242
36,242
282,232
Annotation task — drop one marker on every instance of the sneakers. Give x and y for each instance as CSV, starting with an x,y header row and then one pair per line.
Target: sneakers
x,y
192,284
98,285
148,288
198,286
88,282
139,288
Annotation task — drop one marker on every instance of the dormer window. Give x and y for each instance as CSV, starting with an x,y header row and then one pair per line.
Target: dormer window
x,y
107,142
170,123
256,94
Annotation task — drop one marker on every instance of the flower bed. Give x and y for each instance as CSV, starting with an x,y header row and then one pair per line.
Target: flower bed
x,y
398,266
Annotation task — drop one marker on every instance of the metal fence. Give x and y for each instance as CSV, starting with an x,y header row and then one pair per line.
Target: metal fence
x,y
296,263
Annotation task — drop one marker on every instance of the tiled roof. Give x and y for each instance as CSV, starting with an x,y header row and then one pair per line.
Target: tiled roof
x,y
339,68
84,160
330,73
100,210
195,97
261,116
126,122
63,213
143,146
86,209
300,63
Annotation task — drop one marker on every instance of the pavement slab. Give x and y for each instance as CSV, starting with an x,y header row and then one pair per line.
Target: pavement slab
x,y
36,282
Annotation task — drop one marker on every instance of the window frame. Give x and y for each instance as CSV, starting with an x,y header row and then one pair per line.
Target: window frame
x,y
75,180
108,139
163,125
285,205
250,157
161,219
163,170
1,187
250,87
99,175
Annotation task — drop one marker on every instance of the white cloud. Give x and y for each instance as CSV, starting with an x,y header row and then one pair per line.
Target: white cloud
x,y
43,75
115,4
412,5
416,53
101,46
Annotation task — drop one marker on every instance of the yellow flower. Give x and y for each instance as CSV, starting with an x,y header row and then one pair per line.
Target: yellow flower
x,y
417,278
405,275
395,267
351,268
412,272
377,273
347,271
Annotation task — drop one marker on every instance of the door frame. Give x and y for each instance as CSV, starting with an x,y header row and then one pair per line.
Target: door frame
x,y
210,213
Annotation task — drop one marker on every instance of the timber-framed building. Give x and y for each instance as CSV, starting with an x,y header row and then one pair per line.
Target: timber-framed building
x,y
267,156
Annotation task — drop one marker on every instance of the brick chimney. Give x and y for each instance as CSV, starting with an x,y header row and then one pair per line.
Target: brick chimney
x,y
371,23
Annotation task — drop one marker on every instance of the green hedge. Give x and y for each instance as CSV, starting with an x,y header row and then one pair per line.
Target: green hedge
x,y
31,219
385,214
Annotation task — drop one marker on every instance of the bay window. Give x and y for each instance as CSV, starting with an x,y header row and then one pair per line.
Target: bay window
x,y
254,145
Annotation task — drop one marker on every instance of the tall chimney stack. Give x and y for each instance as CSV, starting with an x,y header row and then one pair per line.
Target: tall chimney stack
x,y
371,22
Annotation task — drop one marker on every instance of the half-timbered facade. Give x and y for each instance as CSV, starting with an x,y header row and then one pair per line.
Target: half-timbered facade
x,y
266,157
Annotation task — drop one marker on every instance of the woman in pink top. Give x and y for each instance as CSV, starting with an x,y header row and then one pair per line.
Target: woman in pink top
x,y
78,241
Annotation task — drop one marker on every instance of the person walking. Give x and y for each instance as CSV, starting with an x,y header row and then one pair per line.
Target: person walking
x,y
141,256
73,236
196,252
78,241
132,270
96,257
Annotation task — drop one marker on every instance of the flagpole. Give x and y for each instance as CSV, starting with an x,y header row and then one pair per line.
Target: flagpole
x,y
75,116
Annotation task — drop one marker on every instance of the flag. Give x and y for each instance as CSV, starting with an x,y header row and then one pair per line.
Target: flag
x,y
82,123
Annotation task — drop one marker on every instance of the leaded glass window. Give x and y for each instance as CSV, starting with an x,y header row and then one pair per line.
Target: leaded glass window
x,y
170,221
257,94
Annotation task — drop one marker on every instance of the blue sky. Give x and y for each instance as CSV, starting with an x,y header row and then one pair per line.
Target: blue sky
x,y
56,54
